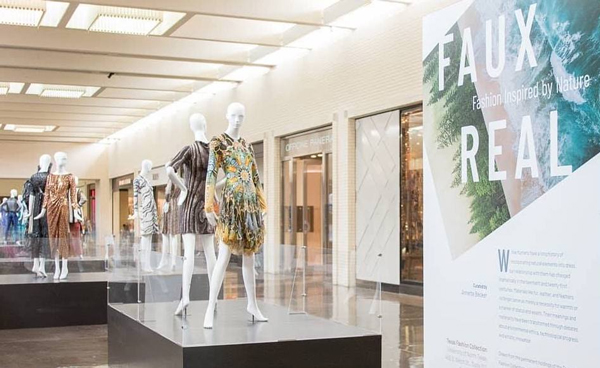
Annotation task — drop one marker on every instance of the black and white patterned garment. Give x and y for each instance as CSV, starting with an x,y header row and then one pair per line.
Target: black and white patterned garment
x,y
144,205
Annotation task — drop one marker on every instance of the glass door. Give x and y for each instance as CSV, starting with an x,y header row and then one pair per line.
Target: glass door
x,y
306,207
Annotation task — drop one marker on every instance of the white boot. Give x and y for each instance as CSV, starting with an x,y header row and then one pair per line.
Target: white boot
x,y
36,266
42,270
56,268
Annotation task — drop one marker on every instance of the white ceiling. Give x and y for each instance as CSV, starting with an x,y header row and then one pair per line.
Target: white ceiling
x,y
213,39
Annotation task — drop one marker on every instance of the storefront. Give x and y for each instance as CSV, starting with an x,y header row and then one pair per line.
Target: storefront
x,y
123,206
306,187
389,198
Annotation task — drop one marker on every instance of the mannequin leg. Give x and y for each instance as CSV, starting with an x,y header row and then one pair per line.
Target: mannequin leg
x,y
250,285
165,248
216,283
145,245
65,269
189,244
42,269
56,266
36,265
208,244
174,242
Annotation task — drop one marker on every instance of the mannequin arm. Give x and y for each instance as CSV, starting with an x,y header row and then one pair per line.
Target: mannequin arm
x,y
41,215
176,179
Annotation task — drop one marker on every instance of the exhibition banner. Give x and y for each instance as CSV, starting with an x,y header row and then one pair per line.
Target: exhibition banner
x,y
512,184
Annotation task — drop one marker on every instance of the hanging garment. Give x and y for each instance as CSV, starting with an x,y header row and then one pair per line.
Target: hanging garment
x,y
60,189
144,204
193,161
240,224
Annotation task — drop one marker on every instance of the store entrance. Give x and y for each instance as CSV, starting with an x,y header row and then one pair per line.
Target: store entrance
x,y
307,210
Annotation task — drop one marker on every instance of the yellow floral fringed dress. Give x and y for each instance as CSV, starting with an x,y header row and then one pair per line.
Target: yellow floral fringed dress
x,y
240,224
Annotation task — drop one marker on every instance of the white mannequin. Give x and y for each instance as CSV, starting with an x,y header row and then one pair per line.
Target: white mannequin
x,y
198,126
146,240
235,116
39,264
170,242
61,162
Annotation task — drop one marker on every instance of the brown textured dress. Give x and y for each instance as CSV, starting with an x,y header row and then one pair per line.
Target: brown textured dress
x,y
60,190
193,160
170,220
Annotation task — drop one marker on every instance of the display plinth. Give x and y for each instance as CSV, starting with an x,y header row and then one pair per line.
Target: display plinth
x,y
22,266
30,302
148,335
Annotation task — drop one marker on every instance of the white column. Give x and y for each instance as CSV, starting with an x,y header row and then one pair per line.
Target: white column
x,y
272,182
344,203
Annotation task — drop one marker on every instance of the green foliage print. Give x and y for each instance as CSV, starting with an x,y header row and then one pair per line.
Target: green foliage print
x,y
488,208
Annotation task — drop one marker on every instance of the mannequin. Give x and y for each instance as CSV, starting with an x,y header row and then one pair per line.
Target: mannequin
x,y
240,231
144,208
12,208
170,228
37,230
59,185
75,221
193,223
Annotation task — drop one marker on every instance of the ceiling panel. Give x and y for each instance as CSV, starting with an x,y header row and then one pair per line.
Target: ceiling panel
x,y
243,30
149,95
32,115
91,102
71,109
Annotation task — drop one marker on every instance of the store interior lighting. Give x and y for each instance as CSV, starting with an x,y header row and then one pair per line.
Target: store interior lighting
x,y
30,128
282,55
4,89
246,73
323,36
62,93
137,25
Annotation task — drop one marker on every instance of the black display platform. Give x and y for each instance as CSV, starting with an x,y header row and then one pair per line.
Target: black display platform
x,y
22,266
30,302
148,335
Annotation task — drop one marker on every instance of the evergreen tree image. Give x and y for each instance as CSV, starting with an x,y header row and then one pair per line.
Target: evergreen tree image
x,y
488,207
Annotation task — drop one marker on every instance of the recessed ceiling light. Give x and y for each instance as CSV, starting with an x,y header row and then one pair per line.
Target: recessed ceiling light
x,y
113,19
12,87
29,128
32,13
320,37
4,89
62,93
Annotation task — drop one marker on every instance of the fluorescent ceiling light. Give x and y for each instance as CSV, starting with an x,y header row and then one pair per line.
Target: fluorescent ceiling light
x,y
113,19
321,37
370,13
282,55
4,89
247,72
22,13
29,128
62,93
32,13
12,88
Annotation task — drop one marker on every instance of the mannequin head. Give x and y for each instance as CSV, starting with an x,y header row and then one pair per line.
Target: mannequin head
x,y
45,162
13,193
146,166
236,113
197,123
61,160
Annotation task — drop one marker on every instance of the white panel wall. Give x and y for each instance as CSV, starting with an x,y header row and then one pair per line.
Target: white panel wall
x,y
378,198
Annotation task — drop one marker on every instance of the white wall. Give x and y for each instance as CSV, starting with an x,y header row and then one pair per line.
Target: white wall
x,y
87,161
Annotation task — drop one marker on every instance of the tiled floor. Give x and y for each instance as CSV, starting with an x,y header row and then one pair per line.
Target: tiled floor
x,y
54,347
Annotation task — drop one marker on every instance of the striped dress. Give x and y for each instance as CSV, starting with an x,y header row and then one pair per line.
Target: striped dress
x,y
144,204
191,163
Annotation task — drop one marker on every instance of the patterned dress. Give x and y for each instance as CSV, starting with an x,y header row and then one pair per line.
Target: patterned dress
x,y
145,206
170,220
37,230
60,189
193,160
240,223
